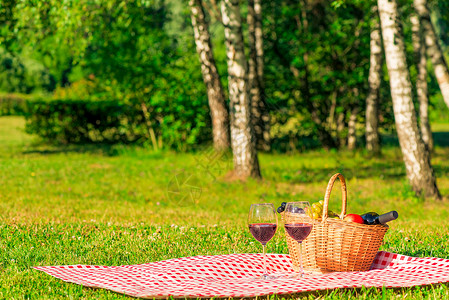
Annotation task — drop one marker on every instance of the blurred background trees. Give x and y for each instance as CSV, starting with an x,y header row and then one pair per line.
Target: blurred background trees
x,y
314,72
374,80
211,77
415,153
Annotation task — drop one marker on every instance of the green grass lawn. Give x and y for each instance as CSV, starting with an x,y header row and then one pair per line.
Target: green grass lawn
x,y
116,205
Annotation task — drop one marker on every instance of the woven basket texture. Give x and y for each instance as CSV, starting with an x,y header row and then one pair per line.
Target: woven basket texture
x,y
337,245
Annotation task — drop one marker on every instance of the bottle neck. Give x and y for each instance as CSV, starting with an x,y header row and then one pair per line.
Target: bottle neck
x,y
389,216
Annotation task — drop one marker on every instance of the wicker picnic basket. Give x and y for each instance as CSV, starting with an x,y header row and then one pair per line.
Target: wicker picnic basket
x,y
337,245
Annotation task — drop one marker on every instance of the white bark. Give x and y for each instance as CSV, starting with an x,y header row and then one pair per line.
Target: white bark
x,y
433,48
242,137
211,78
260,115
374,80
259,40
415,154
352,137
421,81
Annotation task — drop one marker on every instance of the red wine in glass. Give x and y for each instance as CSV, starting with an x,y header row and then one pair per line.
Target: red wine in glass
x,y
298,225
299,231
262,223
263,232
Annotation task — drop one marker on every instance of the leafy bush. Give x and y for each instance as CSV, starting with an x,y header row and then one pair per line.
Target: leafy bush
x,y
80,121
112,121
12,104
23,75
78,89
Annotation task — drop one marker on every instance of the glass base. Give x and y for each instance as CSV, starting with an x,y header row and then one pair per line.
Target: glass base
x,y
296,275
267,277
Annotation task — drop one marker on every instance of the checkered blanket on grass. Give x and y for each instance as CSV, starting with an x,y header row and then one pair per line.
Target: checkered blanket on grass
x,y
233,276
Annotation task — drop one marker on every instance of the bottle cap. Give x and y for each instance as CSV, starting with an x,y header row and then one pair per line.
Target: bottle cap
x,y
389,216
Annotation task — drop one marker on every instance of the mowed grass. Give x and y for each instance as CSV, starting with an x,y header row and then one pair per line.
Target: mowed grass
x,y
117,205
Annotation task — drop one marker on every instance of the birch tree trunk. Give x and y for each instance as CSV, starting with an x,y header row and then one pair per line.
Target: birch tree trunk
x,y
215,92
243,141
352,137
260,116
374,80
421,81
433,48
416,156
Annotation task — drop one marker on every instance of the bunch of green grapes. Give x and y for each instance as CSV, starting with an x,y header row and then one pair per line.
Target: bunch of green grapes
x,y
316,211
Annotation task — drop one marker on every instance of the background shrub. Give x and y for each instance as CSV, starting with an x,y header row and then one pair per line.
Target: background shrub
x,y
12,104
23,75
78,121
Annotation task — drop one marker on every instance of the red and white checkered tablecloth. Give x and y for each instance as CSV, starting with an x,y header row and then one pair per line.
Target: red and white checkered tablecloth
x,y
233,276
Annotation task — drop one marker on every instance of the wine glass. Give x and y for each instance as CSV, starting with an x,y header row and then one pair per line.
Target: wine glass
x,y
298,224
262,222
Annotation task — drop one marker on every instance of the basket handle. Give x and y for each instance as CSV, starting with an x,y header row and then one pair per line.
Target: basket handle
x,y
328,193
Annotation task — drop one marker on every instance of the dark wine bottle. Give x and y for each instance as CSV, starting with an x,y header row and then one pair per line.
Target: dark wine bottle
x,y
373,218
282,207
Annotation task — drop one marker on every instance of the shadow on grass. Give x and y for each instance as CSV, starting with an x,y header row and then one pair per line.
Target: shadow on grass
x,y
338,293
388,170
440,139
373,170
384,167
102,149
363,167
348,293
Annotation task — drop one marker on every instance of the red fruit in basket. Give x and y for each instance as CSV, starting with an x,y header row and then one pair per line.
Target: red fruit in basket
x,y
353,218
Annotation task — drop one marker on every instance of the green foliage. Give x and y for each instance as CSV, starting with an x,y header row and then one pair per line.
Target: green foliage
x,y
440,18
12,74
128,46
319,62
112,121
120,50
81,121
316,62
90,87
12,104
18,75
8,20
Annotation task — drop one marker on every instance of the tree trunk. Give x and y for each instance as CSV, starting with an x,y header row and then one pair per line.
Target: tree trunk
x,y
215,93
243,141
421,81
340,128
352,137
260,117
433,48
416,156
374,80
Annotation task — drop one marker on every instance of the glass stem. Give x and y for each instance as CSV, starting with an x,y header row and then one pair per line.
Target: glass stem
x,y
265,273
301,270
